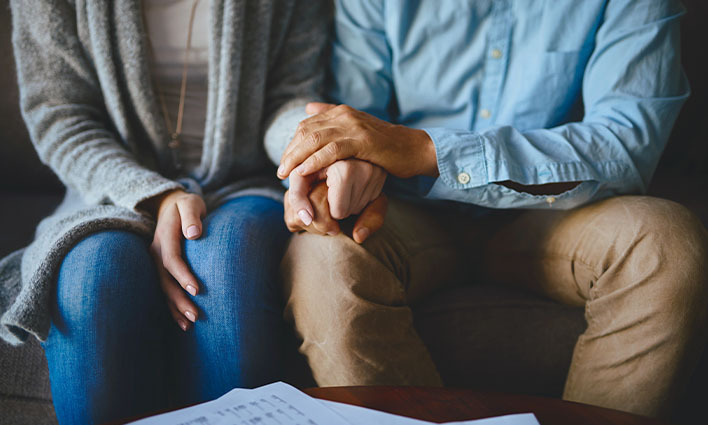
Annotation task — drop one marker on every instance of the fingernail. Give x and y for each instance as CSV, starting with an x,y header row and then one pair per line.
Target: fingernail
x,y
192,290
301,170
190,316
192,231
333,233
281,170
305,217
182,324
363,233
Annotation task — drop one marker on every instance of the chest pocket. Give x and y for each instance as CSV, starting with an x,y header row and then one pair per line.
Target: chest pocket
x,y
568,25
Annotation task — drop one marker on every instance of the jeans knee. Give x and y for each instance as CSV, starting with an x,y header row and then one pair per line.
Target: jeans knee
x,y
109,272
235,261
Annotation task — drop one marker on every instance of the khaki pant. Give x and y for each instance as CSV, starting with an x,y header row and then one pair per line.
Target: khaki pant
x,y
637,264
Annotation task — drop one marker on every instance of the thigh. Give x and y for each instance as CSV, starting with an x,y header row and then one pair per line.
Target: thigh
x,y
236,342
105,350
575,256
236,258
418,246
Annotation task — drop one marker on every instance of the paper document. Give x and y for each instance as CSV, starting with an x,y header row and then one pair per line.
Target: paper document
x,y
282,404
274,404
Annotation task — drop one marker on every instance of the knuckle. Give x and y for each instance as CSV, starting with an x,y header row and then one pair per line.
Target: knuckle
x,y
334,148
313,140
344,108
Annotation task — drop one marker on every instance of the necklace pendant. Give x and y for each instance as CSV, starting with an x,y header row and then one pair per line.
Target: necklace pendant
x,y
173,144
174,141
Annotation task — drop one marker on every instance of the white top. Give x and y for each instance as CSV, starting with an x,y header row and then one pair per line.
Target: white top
x,y
167,26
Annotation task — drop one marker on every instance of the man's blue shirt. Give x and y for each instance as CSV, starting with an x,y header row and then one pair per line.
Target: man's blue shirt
x,y
534,92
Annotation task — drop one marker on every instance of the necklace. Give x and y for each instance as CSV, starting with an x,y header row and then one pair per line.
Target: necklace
x,y
176,131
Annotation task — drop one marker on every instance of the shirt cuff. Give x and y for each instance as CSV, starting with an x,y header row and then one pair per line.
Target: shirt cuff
x,y
460,156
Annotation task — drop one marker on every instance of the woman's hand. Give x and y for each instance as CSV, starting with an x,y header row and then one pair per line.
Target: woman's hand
x,y
179,215
352,184
343,132
369,221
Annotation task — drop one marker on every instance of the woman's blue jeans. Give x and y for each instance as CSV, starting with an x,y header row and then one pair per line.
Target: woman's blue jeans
x,y
113,349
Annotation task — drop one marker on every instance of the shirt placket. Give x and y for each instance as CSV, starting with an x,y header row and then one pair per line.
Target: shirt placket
x,y
495,64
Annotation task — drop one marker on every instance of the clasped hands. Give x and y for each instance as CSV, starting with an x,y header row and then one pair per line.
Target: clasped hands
x,y
337,164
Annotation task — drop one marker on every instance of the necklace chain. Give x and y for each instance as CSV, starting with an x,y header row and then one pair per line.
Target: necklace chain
x,y
175,132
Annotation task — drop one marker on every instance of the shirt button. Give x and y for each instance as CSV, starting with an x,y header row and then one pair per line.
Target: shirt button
x,y
550,200
496,53
485,113
463,178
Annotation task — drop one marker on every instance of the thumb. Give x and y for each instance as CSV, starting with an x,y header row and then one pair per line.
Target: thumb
x,y
191,210
300,187
314,108
371,219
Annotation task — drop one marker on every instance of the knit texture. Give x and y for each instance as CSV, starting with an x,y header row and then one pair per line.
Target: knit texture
x,y
89,104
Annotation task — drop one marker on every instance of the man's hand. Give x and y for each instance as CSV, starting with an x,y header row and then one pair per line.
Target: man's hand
x,y
179,215
343,132
369,221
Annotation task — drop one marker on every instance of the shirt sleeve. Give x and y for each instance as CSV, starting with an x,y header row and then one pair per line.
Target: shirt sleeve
x,y
297,74
633,89
63,107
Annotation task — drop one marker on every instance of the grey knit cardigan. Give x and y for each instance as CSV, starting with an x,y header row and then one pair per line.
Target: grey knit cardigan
x,y
88,101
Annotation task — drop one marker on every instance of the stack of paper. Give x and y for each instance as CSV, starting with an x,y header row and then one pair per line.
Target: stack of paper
x,y
282,404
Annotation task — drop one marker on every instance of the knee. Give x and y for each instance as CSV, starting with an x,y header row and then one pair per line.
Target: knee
x,y
662,236
106,272
336,271
236,259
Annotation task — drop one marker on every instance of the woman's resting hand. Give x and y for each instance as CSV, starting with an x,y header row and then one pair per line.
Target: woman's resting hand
x,y
179,215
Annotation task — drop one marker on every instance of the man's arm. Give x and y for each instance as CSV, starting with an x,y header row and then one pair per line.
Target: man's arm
x,y
633,88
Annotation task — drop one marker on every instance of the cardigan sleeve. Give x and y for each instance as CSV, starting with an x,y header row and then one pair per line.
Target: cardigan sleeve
x,y
296,75
63,107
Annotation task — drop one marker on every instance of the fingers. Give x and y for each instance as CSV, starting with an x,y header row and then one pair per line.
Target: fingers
x,y
182,309
323,223
191,211
308,142
298,197
373,188
311,135
371,219
170,248
340,187
324,157
314,108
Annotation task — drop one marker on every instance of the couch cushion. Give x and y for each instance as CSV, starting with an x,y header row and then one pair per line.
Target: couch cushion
x,y
498,338
21,212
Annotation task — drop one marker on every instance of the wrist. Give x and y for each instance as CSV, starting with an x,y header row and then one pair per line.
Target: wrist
x,y
426,155
154,205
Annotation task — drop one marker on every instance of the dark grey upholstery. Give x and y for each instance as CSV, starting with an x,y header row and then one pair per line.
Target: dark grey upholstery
x,y
480,336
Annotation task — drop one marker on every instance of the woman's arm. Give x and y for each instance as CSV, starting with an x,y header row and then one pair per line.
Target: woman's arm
x,y
63,106
296,75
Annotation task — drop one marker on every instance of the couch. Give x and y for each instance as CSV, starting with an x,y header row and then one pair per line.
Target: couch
x,y
481,336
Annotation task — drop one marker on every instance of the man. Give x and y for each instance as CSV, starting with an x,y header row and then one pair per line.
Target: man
x,y
554,106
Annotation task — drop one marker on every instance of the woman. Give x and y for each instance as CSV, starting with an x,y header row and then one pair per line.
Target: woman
x,y
153,115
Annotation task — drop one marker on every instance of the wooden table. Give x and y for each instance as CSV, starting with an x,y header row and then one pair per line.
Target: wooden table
x,y
453,404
